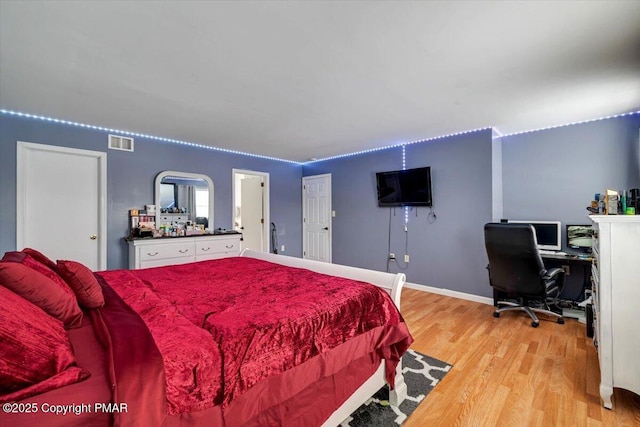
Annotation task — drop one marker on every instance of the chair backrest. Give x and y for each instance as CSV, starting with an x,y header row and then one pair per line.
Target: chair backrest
x,y
515,265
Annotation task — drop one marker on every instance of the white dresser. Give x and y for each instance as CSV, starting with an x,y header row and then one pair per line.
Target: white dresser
x,y
145,253
616,302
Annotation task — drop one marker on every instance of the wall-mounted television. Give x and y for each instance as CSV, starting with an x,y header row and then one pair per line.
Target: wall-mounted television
x,y
409,187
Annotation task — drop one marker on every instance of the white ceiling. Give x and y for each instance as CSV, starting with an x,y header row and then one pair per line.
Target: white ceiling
x,y
296,80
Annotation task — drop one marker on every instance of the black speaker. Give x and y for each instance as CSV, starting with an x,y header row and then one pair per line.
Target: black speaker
x,y
589,314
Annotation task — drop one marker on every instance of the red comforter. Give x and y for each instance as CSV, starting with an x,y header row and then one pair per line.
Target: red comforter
x,y
225,328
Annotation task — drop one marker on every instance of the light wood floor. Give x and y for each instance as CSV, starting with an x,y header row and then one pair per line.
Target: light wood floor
x,y
507,373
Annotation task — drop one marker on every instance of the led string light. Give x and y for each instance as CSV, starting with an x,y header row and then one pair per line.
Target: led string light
x,y
496,133
404,167
631,113
141,135
493,128
356,153
404,157
401,144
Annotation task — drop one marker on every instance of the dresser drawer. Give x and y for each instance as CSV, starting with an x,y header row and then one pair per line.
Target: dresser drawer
x,y
171,218
165,251
145,253
215,246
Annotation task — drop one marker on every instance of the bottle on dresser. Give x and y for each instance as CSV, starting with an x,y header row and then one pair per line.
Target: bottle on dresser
x,y
633,201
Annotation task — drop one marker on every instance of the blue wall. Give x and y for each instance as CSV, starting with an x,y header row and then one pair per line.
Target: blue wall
x,y
130,180
553,174
546,175
448,253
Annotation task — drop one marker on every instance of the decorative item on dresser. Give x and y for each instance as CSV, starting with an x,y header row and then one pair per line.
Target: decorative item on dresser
x,y
616,292
145,253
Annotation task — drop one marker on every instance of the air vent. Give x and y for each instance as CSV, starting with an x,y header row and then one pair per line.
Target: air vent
x,y
120,143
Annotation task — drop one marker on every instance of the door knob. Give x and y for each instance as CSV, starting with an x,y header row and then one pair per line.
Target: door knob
x,y
93,237
326,228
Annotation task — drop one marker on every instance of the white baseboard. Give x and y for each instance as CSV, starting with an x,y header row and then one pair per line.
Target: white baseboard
x,y
449,293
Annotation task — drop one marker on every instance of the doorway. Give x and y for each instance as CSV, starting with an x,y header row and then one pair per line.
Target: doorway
x,y
61,203
251,208
316,217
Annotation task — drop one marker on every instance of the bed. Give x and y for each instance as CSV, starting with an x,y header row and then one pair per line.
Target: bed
x,y
259,339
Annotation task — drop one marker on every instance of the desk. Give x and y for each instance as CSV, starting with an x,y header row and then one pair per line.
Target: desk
x,y
580,258
573,260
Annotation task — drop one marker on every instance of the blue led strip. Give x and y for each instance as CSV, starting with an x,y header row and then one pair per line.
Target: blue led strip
x,y
404,167
631,113
401,144
140,135
225,150
404,157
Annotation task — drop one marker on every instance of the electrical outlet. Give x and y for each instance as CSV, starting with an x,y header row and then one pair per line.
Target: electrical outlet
x,y
406,258
282,248
392,256
566,270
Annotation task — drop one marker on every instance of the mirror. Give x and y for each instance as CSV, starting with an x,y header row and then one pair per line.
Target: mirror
x,y
184,197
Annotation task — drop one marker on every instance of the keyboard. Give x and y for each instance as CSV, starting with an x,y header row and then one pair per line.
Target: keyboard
x,y
546,252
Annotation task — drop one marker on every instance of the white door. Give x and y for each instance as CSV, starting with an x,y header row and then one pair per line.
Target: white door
x,y
250,203
251,219
61,203
316,217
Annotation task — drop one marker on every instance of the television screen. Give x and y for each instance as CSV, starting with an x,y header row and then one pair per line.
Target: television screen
x,y
579,236
410,187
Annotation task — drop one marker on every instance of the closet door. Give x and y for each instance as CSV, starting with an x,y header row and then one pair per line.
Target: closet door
x,y
61,203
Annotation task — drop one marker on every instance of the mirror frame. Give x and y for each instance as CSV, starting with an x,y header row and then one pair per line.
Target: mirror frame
x,y
189,175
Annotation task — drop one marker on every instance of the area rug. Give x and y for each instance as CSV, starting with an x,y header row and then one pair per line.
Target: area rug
x,y
421,373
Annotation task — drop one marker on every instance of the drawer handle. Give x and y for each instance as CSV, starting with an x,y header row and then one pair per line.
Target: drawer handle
x,y
183,251
152,254
228,247
205,249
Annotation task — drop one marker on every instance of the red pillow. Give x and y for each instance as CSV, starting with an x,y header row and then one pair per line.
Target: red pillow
x,y
40,257
42,291
83,283
32,262
35,355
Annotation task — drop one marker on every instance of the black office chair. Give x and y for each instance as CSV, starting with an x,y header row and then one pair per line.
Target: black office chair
x,y
517,274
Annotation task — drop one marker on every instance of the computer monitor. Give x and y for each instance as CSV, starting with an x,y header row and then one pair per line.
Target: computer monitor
x,y
579,237
548,233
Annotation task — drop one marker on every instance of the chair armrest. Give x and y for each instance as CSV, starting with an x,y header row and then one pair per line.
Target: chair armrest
x,y
553,273
555,280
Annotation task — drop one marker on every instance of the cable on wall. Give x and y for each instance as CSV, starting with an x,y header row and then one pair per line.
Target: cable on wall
x,y
401,266
431,218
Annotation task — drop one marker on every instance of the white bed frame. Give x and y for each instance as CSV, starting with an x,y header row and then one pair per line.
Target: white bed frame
x,y
392,284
